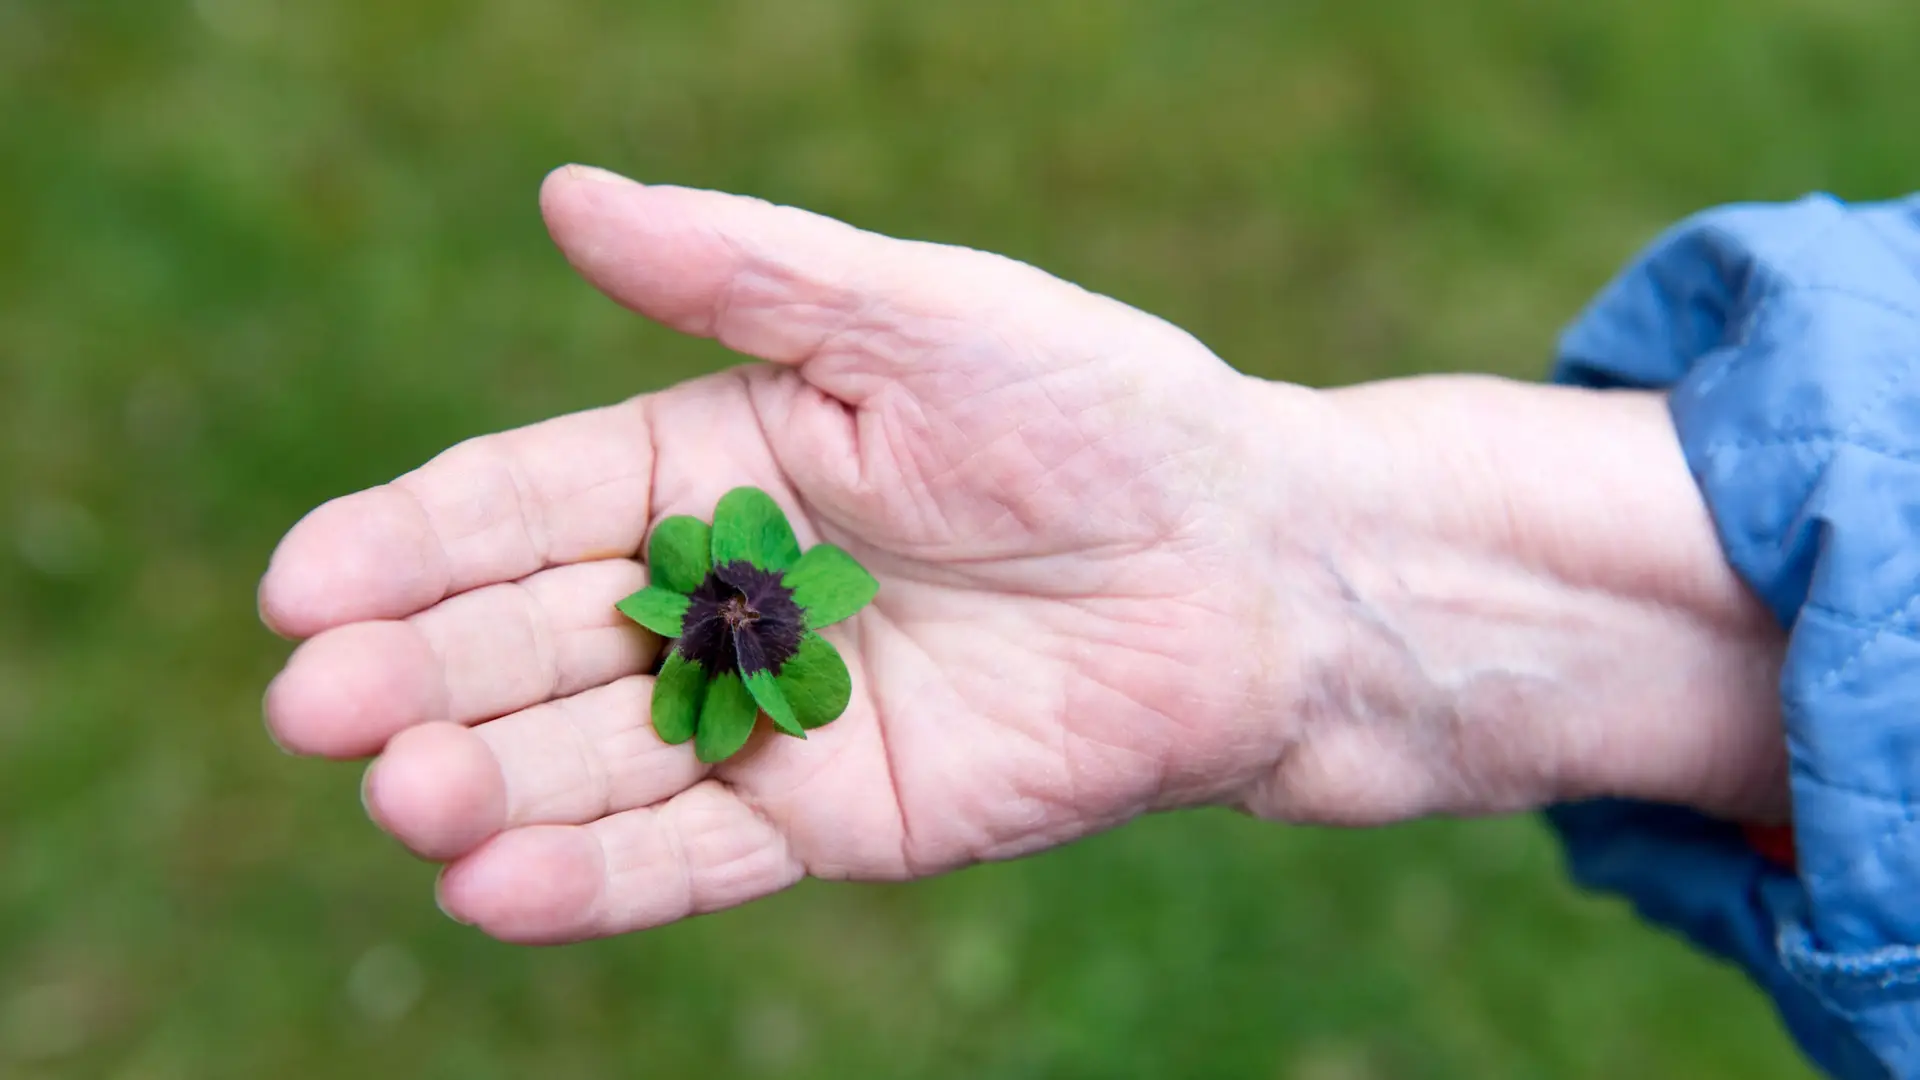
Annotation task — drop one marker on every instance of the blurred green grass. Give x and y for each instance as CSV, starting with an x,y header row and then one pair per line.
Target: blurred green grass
x,y
256,254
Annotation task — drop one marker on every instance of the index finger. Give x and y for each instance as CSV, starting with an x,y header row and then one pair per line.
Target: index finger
x,y
491,509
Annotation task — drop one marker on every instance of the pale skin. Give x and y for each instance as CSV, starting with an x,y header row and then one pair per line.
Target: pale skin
x,y
1116,576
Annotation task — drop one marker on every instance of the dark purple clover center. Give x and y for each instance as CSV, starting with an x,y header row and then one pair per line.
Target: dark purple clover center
x,y
737,612
742,619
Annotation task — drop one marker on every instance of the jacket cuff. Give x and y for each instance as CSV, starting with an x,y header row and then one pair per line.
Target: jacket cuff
x,y
1788,338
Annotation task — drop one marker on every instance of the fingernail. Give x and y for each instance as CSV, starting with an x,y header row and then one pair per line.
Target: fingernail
x,y
366,790
260,609
440,901
595,174
266,718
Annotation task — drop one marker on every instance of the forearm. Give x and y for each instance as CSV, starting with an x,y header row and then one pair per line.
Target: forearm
x,y
1533,570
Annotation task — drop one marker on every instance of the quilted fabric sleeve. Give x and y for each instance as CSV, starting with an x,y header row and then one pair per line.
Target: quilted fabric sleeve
x,y
1788,337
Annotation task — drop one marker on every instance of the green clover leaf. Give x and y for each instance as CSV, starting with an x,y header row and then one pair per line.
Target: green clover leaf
x,y
662,611
815,682
749,527
680,555
726,719
741,603
829,586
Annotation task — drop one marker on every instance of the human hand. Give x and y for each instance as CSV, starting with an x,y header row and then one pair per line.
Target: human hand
x,y
1116,576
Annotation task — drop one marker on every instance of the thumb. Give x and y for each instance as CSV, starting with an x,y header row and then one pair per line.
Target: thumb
x,y
794,287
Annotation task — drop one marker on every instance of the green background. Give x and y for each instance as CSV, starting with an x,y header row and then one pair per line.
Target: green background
x,y
256,254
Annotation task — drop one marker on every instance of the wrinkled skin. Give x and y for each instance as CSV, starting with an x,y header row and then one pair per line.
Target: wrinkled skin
x,y
1102,592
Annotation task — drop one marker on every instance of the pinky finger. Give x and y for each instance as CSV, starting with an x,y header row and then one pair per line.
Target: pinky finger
x,y
701,851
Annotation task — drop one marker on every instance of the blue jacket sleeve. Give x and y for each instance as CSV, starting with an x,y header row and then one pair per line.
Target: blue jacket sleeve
x,y
1788,339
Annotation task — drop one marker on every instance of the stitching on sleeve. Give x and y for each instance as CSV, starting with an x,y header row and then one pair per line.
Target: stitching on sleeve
x,y
1893,832
1909,816
1890,306
1889,965
1879,396
1774,280
1793,437
1826,783
1891,624
1906,628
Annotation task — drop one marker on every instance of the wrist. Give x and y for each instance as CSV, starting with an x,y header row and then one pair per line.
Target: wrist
x,y
1522,601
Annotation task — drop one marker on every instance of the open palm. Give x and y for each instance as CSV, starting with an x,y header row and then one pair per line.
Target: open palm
x,y
1054,491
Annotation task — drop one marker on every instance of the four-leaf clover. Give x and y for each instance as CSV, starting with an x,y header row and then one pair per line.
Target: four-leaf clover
x,y
744,607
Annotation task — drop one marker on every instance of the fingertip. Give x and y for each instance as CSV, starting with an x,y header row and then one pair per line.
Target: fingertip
x,y
572,197
661,251
531,886
437,789
275,598
344,693
370,555
269,709
440,898
266,606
